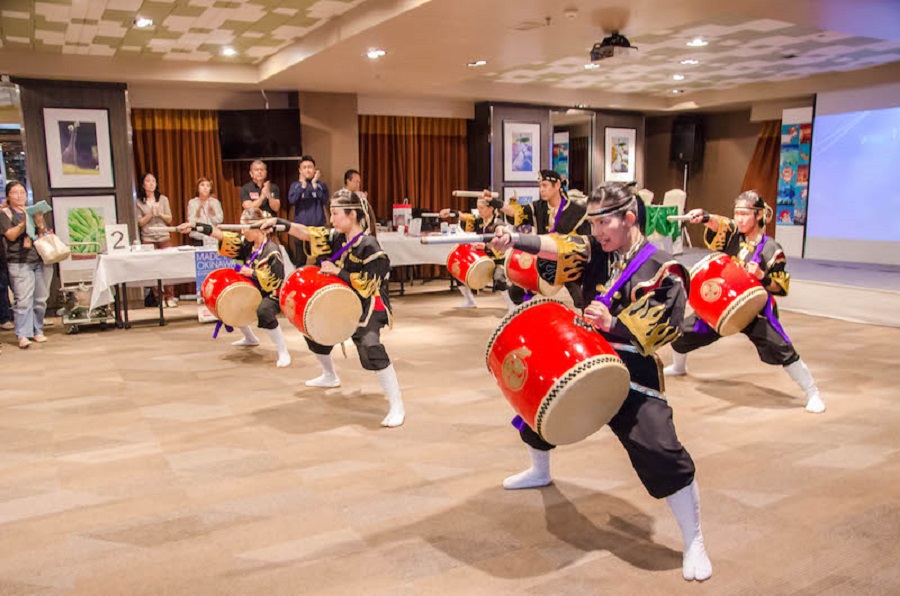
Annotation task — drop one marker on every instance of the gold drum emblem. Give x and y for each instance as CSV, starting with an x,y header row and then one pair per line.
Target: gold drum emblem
x,y
711,290
525,260
514,368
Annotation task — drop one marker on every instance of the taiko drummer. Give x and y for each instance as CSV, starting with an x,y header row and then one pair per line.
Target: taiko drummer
x,y
350,251
261,263
744,239
636,297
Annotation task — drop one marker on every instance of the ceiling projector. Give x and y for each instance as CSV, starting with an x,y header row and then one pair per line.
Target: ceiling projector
x,y
611,47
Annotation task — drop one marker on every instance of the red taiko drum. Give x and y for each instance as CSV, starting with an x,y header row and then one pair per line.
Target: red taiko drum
x,y
557,372
724,294
470,267
322,307
522,270
231,297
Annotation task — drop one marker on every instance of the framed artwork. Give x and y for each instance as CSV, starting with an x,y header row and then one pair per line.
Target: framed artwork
x,y
81,222
525,194
521,151
619,154
78,148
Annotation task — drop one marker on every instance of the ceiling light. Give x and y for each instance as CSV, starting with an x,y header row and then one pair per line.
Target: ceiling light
x,y
582,106
677,91
677,77
229,51
690,62
142,22
474,64
591,66
697,42
375,54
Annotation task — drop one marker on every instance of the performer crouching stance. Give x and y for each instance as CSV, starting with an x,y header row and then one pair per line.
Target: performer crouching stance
x,y
263,265
744,239
636,297
357,259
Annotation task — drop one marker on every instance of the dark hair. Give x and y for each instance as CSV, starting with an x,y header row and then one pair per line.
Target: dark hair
x,y
756,203
349,174
612,198
12,183
352,202
307,158
142,192
202,179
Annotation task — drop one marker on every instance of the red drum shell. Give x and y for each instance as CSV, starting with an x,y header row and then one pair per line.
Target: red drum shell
x,y
724,294
521,270
470,267
322,307
561,376
231,297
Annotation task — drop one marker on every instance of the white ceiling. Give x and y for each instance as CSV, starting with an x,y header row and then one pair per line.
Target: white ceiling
x,y
536,49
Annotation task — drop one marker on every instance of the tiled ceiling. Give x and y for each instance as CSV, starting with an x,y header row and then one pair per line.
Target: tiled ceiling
x,y
739,52
189,30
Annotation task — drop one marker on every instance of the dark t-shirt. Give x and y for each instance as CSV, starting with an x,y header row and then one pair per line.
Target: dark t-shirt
x,y
250,192
16,252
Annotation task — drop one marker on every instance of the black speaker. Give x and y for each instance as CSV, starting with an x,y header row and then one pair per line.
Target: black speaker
x,y
687,140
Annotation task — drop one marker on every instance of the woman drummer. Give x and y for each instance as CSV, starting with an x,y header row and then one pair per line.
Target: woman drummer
x,y
262,264
744,239
488,219
636,298
350,251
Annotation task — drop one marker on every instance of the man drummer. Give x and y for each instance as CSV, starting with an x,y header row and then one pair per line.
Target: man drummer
x,y
744,239
553,214
488,219
349,252
262,264
636,296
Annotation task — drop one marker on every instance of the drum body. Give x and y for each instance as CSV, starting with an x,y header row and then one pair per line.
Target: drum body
x,y
231,297
470,266
558,374
322,307
522,269
724,294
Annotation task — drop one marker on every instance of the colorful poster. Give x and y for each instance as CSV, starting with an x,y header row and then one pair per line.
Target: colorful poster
x,y
793,179
561,154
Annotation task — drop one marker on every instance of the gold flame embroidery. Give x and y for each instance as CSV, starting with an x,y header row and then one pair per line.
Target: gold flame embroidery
x,y
647,323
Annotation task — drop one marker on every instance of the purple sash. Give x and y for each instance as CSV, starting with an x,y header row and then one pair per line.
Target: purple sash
x,y
639,259
769,310
562,205
346,247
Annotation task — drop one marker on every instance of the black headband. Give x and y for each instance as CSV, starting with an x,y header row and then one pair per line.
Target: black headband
x,y
614,208
549,176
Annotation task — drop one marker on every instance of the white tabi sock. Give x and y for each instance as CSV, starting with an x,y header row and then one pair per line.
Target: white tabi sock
x,y
801,375
678,366
469,298
537,475
387,378
284,356
248,340
685,505
510,305
328,378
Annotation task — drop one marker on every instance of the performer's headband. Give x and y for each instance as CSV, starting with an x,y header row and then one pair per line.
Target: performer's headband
x,y
621,205
549,176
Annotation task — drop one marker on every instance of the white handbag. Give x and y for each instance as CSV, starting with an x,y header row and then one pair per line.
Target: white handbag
x,y
51,248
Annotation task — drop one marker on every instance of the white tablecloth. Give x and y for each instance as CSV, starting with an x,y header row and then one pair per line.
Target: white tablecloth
x,y
170,264
407,250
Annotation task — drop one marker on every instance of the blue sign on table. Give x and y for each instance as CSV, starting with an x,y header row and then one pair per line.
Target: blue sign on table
x,y
207,261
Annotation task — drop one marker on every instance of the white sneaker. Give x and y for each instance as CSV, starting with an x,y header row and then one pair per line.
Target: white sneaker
x,y
324,380
244,342
9,325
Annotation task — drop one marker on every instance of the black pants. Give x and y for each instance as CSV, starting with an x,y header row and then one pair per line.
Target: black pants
x,y
771,347
372,355
517,294
267,313
499,282
644,427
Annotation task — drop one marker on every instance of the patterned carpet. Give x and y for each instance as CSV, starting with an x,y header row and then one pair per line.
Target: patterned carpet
x,y
158,461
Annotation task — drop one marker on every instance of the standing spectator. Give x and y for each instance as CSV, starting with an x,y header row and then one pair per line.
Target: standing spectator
x,y
261,193
6,316
309,198
353,183
152,210
29,277
204,209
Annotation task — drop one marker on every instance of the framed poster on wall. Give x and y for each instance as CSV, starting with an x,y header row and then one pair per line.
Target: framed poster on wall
x,y
78,148
521,151
523,194
81,222
619,154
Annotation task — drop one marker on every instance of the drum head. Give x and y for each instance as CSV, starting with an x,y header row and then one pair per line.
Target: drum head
x,y
583,400
236,305
742,311
332,314
481,273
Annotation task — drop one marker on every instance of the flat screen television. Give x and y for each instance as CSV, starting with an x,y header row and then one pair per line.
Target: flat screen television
x,y
260,134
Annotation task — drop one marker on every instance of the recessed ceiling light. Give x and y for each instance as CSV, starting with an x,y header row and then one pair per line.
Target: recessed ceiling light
x,y
677,77
690,62
591,66
375,54
677,91
581,106
229,51
142,22
477,63
697,42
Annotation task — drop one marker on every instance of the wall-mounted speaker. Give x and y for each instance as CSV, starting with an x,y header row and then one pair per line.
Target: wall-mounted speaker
x,y
687,140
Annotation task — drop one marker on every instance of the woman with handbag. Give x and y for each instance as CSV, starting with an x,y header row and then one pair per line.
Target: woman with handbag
x,y
29,276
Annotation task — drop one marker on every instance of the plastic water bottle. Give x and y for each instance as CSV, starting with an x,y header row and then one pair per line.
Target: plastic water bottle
x,y
445,227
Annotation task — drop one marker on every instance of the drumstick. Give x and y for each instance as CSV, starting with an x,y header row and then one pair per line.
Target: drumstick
x,y
475,194
461,238
162,229
431,215
679,217
241,227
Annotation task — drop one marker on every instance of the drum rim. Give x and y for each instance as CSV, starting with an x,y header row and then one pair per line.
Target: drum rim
x,y
560,385
509,317
705,261
319,294
234,286
739,302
